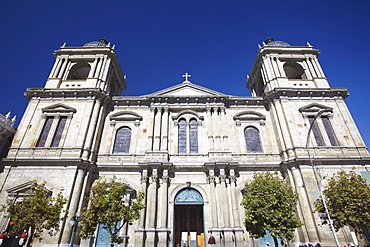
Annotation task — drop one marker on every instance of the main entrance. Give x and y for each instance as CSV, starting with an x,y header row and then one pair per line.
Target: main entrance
x,y
189,227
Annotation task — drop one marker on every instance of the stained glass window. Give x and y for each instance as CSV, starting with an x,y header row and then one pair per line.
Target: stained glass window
x,y
329,131
193,136
59,131
316,132
122,141
182,136
45,132
252,140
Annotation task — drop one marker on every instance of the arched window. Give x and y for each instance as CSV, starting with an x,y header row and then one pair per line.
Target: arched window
x,y
188,136
122,141
294,71
182,136
252,140
79,71
193,137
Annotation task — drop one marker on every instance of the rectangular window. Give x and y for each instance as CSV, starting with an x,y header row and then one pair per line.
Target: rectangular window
x,y
59,132
45,132
316,132
329,131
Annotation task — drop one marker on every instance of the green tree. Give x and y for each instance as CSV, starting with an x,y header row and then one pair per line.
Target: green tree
x,y
347,196
269,203
107,206
38,211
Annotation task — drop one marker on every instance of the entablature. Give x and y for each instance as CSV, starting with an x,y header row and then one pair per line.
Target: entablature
x,y
45,93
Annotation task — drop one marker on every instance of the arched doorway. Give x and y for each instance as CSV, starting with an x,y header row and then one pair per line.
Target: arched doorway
x,y
189,226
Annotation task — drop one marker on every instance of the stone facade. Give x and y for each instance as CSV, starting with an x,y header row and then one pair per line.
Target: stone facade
x,y
191,149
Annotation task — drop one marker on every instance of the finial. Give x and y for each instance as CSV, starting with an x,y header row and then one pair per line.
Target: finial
x,y
7,115
108,44
114,46
186,77
14,118
263,43
308,44
64,45
247,77
259,47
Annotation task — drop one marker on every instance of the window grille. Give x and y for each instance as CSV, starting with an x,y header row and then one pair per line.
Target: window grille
x,y
182,136
45,132
252,139
59,131
193,136
122,141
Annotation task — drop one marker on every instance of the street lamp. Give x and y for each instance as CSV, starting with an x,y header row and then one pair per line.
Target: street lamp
x,y
318,183
74,222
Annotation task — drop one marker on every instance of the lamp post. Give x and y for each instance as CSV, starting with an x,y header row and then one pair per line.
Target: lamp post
x,y
74,222
318,183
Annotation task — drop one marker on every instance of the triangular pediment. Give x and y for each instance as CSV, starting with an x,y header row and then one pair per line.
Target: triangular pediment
x,y
58,108
315,107
20,189
187,89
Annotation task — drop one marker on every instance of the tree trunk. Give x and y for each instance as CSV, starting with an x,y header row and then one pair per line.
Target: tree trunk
x,y
275,241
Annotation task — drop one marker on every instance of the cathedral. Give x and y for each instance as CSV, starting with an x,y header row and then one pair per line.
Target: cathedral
x,y
189,148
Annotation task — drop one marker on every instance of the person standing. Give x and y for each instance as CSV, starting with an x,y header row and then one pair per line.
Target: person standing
x,y
3,235
22,238
211,241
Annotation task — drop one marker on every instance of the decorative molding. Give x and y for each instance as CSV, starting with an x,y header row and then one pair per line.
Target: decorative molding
x,y
315,107
187,112
58,108
249,116
126,116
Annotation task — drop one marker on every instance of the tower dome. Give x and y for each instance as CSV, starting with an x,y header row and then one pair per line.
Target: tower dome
x,y
100,43
272,42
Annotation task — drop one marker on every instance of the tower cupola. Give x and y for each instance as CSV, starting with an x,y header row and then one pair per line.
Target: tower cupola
x,y
93,65
280,65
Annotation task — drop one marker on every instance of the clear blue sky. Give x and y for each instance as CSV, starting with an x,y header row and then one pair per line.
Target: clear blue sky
x,y
157,41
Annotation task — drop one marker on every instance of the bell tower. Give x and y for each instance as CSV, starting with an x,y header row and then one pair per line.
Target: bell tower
x,y
92,66
279,65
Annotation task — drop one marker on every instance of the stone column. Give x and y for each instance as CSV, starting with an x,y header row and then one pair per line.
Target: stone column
x,y
164,142
212,198
139,233
91,130
219,212
162,228
208,120
309,223
237,226
226,211
151,212
157,129
150,130
74,205
61,72
213,126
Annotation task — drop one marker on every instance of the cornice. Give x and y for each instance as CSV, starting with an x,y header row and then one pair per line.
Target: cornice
x,y
309,93
86,93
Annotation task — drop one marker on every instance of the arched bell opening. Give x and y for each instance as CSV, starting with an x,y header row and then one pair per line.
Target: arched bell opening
x,y
189,220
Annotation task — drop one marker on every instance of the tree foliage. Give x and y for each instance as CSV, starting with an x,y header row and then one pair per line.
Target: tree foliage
x,y
348,198
269,203
108,206
38,211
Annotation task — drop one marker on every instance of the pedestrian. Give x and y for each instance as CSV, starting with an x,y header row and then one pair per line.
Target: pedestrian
x,y
3,235
22,238
211,241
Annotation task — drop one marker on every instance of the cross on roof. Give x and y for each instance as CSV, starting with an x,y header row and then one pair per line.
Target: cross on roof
x,y
186,76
